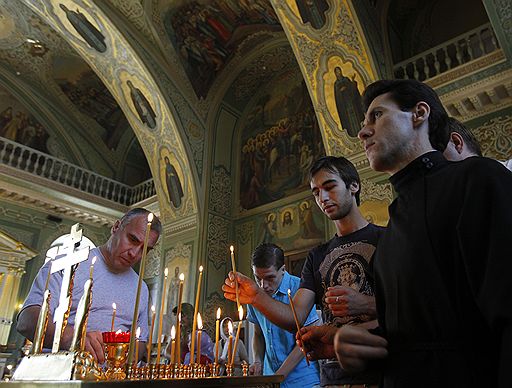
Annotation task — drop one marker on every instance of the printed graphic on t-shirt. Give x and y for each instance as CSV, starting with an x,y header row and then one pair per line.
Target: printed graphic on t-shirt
x,y
347,265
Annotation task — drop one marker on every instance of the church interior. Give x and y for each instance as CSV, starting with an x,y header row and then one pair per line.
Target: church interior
x,y
209,113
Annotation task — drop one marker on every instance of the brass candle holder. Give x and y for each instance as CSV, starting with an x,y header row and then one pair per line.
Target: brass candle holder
x,y
116,354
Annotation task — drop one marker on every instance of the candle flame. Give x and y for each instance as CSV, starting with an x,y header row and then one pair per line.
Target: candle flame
x,y
218,313
166,272
173,332
153,309
199,322
200,268
182,276
93,260
241,312
114,306
119,331
232,248
289,291
150,217
230,328
137,333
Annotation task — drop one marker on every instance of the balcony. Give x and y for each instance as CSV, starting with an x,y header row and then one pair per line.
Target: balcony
x,y
54,170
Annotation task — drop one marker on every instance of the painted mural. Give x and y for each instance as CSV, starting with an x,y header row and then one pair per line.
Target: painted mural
x,y
294,226
84,88
19,125
280,141
206,33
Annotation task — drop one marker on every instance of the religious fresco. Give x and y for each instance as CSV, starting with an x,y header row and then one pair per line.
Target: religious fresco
x,y
142,106
292,227
19,125
313,11
171,176
207,33
280,141
88,93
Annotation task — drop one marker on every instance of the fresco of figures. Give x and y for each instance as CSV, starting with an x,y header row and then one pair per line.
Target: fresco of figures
x,y
280,141
206,34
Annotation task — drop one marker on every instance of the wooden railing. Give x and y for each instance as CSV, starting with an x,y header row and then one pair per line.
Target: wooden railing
x,y
56,170
455,52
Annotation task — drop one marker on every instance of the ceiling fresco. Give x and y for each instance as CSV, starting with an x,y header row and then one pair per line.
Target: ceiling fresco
x,y
207,33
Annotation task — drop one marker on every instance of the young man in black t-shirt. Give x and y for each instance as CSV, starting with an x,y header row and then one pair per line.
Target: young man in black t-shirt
x,y
336,275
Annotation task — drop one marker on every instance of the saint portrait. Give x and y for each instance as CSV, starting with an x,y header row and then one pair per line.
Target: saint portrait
x,y
349,104
142,106
91,34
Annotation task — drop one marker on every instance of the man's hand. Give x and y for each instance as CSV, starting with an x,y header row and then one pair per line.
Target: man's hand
x,y
247,288
94,345
345,301
255,369
355,346
318,341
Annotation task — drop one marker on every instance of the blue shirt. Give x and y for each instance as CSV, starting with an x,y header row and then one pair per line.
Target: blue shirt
x,y
279,342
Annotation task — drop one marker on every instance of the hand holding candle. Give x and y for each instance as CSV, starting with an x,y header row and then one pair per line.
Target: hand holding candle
x,y
217,333
296,322
241,317
114,307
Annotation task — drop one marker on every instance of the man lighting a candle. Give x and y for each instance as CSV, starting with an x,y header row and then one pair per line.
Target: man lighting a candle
x,y
114,281
274,349
336,276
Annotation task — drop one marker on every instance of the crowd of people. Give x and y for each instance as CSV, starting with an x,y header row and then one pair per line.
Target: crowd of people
x,y
422,302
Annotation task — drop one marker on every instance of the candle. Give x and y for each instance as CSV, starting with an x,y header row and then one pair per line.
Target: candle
x,y
232,249
173,342
91,269
230,342
160,317
199,332
113,316
217,333
241,316
296,322
139,286
137,335
153,315
178,331
194,324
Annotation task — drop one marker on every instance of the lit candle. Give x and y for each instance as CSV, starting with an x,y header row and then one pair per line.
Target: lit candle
x,y
241,316
232,249
137,335
296,322
173,342
113,316
217,333
230,342
199,332
153,315
139,286
178,331
194,323
91,268
160,317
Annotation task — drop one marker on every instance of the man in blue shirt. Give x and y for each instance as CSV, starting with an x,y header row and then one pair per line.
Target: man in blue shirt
x,y
274,347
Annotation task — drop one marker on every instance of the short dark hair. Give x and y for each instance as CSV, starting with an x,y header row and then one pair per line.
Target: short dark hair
x,y
340,166
267,255
186,309
469,138
407,93
156,225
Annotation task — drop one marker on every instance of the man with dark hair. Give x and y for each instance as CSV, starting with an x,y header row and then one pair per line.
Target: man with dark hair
x,y
335,186
443,300
114,282
461,143
275,348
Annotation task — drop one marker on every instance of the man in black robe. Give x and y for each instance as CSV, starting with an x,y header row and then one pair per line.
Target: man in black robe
x,y
441,268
